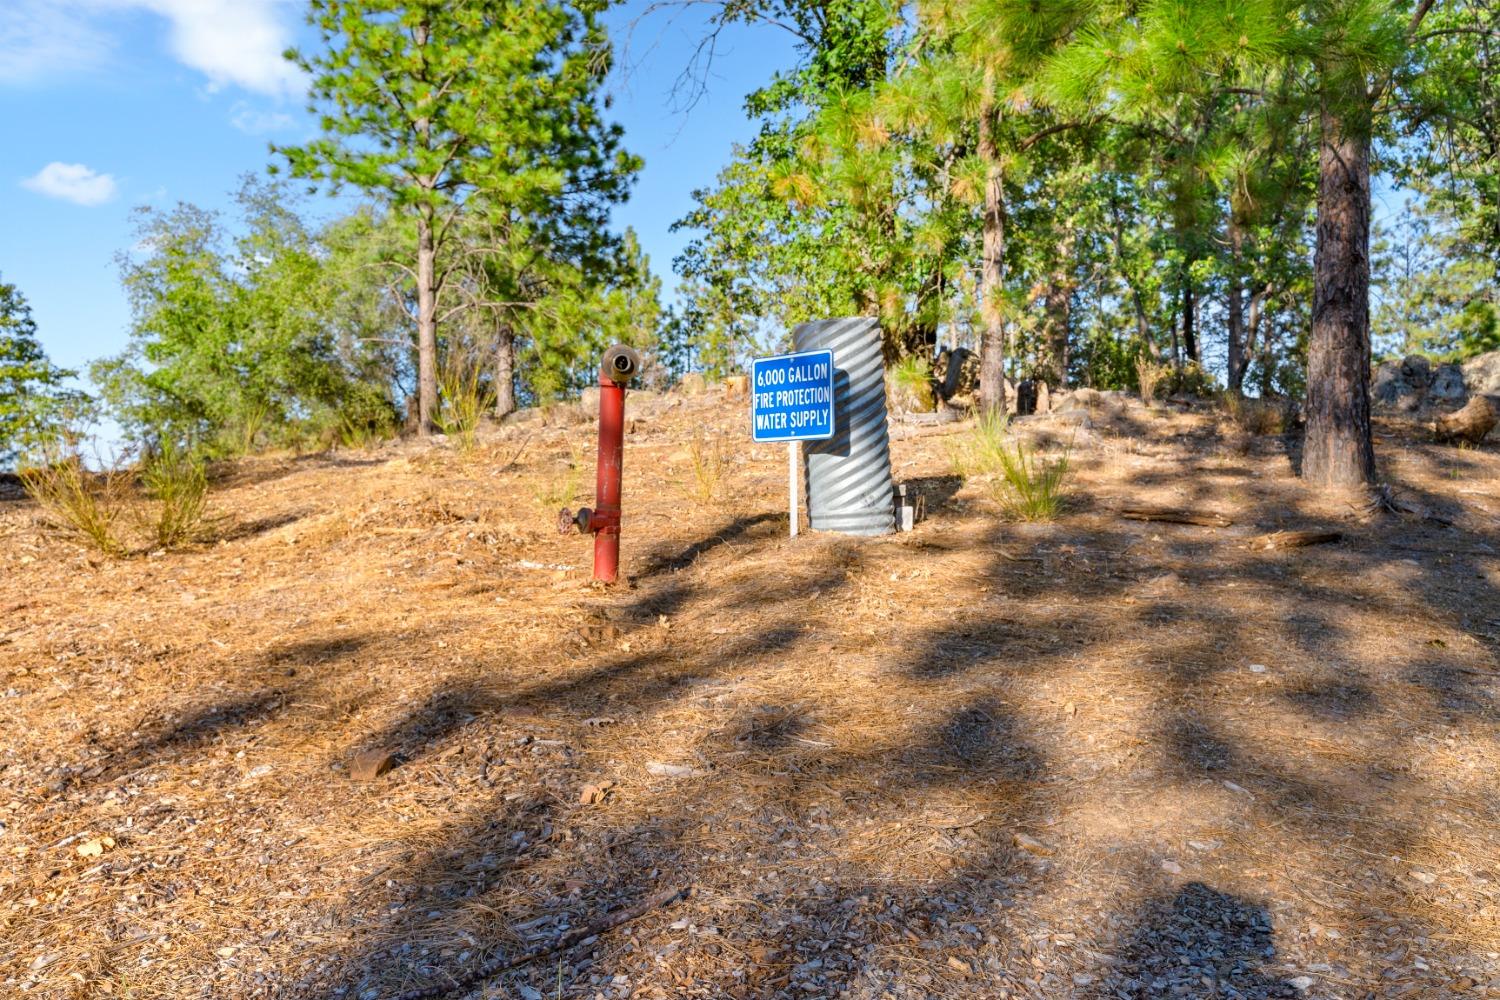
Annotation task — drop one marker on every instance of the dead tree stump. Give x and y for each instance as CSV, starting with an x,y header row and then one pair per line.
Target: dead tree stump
x,y
1468,425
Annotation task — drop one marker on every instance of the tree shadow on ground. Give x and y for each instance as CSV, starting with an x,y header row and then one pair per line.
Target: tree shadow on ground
x,y
1198,942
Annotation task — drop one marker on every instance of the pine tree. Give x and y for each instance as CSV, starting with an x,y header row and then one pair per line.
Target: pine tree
x,y
32,396
449,112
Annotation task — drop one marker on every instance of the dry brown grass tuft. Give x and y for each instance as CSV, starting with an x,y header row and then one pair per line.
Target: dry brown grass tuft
x,y
88,506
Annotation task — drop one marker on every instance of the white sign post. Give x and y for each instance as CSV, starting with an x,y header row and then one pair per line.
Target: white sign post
x,y
793,451
791,400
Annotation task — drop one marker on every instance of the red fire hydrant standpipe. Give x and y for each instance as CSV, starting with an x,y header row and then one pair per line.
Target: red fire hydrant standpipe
x,y
620,365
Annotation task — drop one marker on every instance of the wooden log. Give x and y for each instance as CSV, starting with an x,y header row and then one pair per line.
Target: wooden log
x,y
1468,425
1207,519
1295,539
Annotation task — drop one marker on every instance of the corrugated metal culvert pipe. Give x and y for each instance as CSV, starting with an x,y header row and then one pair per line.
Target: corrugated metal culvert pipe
x,y
849,475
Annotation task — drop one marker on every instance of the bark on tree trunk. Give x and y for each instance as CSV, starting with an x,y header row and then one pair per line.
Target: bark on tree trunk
x,y
1058,306
505,372
1338,452
1236,318
992,272
427,387
1189,336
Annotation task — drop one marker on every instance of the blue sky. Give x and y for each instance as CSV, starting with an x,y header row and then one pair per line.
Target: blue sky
x,y
109,104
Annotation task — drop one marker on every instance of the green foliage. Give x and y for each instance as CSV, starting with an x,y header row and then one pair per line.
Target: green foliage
x,y
480,128
238,342
34,404
1437,292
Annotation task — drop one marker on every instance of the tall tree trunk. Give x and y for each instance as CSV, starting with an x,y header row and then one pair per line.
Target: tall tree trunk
x,y
1237,342
1143,324
1058,307
427,387
1338,452
1189,335
505,372
992,271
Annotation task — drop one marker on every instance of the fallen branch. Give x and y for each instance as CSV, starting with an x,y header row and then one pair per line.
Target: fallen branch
x,y
605,923
1207,519
1295,539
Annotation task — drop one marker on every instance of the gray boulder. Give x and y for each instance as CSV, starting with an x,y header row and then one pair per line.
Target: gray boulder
x,y
1447,385
1401,385
1482,374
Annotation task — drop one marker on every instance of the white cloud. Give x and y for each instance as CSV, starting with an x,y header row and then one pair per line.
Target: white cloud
x,y
72,182
39,38
232,42
254,121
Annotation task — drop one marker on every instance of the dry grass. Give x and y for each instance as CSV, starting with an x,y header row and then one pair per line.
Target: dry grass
x,y
177,484
1259,416
709,461
1221,751
1150,377
87,505
558,486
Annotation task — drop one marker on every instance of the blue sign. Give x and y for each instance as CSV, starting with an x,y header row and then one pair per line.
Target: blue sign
x,y
791,397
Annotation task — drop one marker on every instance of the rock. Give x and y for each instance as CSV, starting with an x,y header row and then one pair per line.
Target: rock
x,y
1482,374
1074,416
692,384
588,400
671,770
594,794
1447,385
1301,983
371,764
1401,385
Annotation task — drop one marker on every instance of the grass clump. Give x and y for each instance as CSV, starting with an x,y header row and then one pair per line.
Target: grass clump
x,y
560,488
1026,486
1151,376
1258,416
176,480
977,453
86,505
710,461
466,396
1030,487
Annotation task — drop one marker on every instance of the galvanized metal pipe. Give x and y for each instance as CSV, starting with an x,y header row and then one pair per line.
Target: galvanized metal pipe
x,y
849,475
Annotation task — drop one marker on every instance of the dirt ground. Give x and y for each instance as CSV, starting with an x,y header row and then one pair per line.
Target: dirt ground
x,y
1093,758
